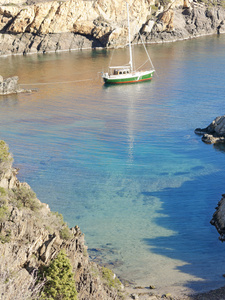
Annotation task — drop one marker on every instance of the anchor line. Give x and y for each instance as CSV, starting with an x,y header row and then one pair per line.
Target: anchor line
x,y
46,83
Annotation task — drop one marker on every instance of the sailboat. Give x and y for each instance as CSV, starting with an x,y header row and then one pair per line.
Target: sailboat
x,y
126,73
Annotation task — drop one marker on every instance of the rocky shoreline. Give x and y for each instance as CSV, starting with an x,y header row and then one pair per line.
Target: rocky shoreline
x,y
214,133
52,26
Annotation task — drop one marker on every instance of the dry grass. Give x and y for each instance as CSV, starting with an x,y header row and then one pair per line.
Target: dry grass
x,y
18,285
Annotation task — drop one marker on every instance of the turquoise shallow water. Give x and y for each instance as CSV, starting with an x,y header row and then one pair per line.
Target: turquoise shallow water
x,y
123,162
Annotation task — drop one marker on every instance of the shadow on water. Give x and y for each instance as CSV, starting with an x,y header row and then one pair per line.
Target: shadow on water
x,y
189,209
219,147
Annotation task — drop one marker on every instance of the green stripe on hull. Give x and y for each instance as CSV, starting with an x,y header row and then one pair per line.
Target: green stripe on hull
x,y
128,79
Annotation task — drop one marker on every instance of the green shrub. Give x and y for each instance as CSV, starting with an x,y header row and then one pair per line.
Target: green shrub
x,y
110,278
5,238
65,233
154,8
222,4
94,271
58,216
164,2
4,152
64,230
2,191
4,213
60,280
27,198
3,197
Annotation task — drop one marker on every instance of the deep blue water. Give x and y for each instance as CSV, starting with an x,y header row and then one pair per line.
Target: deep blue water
x,y
123,162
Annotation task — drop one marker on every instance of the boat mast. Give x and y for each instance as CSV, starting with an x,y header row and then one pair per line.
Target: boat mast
x,y
128,23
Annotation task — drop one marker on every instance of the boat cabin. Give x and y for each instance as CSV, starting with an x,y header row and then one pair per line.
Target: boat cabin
x,y
122,70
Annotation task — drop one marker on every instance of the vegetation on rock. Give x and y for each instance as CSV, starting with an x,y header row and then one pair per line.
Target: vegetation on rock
x,y
60,280
111,279
31,236
11,287
25,197
4,152
4,212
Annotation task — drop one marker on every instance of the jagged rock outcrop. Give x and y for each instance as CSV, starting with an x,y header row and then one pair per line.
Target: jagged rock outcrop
x,y
186,21
31,236
215,132
218,219
10,86
37,26
43,26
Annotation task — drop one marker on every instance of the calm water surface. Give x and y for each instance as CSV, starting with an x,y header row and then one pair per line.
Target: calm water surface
x,y
123,162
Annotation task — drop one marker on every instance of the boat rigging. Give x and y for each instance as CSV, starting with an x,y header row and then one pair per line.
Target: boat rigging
x,y
127,74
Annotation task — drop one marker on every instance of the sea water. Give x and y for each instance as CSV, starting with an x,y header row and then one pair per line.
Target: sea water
x,y
123,162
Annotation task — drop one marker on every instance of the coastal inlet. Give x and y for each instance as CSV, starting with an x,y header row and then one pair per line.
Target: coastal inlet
x,y
123,162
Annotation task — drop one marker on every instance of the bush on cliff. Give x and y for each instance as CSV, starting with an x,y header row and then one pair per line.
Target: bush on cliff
x,y
60,280
64,230
65,233
4,152
25,197
110,278
4,213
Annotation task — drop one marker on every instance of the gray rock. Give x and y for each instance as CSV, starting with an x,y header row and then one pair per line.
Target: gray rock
x,y
210,139
215,132
152,287
218,219
185,23
134,296
10,86
190,22
25,43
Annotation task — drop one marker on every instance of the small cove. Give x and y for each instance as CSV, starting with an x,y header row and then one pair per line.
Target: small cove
x,y
123,162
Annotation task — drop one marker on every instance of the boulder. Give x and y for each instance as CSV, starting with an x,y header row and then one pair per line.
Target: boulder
x,y
10,86
215,132
218,219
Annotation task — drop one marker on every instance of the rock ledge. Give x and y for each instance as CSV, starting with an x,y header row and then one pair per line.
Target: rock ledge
x,y
215,132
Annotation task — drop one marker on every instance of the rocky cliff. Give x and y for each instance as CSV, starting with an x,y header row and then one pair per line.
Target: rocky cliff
x,y
31,236
34,26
